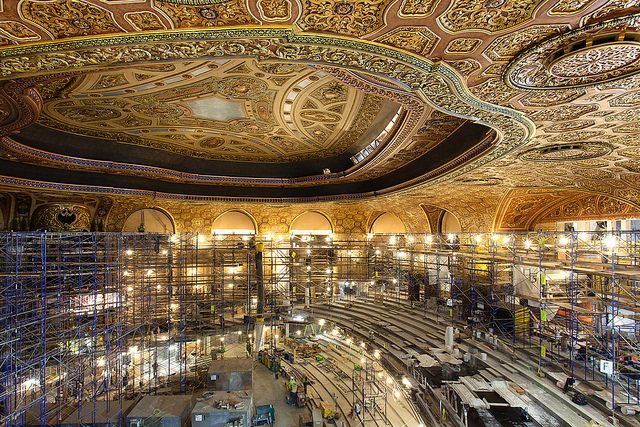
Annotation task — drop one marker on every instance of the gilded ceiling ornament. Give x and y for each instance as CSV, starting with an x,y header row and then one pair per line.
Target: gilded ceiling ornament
x,y
490,16
586,56
241,87
507,46
331,93
495,91
462,46
568,126
419,40
465,66
626,115
596,61
215,14
629,99
628,83
566,152
133,121
89,114
568,112
280,68
275,10
628,127
18,31
549,98
594,173
144,21
348,17
630,152
69,18
569,7
630,165
576,135
417,7
108,81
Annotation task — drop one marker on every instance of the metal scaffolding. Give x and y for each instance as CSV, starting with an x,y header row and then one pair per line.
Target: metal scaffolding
x,y
105,316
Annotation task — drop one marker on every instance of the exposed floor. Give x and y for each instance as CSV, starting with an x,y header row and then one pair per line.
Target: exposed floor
x,y
268,390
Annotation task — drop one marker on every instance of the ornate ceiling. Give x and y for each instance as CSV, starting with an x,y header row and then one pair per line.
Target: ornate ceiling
x,y
227,109
212,99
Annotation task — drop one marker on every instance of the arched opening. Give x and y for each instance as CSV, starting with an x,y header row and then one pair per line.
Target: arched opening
x,y
388,223
311,223
149,221
233,222
449,224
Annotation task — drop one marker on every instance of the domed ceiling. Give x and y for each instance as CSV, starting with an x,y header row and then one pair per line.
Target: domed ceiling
x,y
227,109
449,103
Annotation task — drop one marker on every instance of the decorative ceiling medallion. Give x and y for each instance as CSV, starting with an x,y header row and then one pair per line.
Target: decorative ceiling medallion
x,y
567,152
587,56
596,60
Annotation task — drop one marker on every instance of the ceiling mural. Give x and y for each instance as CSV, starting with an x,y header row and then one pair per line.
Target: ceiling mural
x,y
329,102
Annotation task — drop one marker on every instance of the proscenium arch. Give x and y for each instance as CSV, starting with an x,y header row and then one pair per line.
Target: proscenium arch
x,y
387,223
311,222
234,221
437,84
156,220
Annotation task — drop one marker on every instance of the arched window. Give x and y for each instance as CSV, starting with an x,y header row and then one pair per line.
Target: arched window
x,y
449,224
233,222
149,221
388,223
311,223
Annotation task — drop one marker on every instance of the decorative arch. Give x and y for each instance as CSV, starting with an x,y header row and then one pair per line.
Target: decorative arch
x,y
234,221
311,222
156,220
522,209
449,223
388,223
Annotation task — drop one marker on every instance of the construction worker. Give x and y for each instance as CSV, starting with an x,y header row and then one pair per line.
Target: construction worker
x,y
293,391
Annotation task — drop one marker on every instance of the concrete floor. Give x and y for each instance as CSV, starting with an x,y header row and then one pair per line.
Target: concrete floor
x,y
268,390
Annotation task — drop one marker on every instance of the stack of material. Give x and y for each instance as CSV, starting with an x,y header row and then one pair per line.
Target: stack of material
x,y
221,408
102,413
230,375
165,411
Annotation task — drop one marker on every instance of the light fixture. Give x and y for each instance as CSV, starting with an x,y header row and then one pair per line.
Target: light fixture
x,y
478,238
527,244
129,252
610,241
